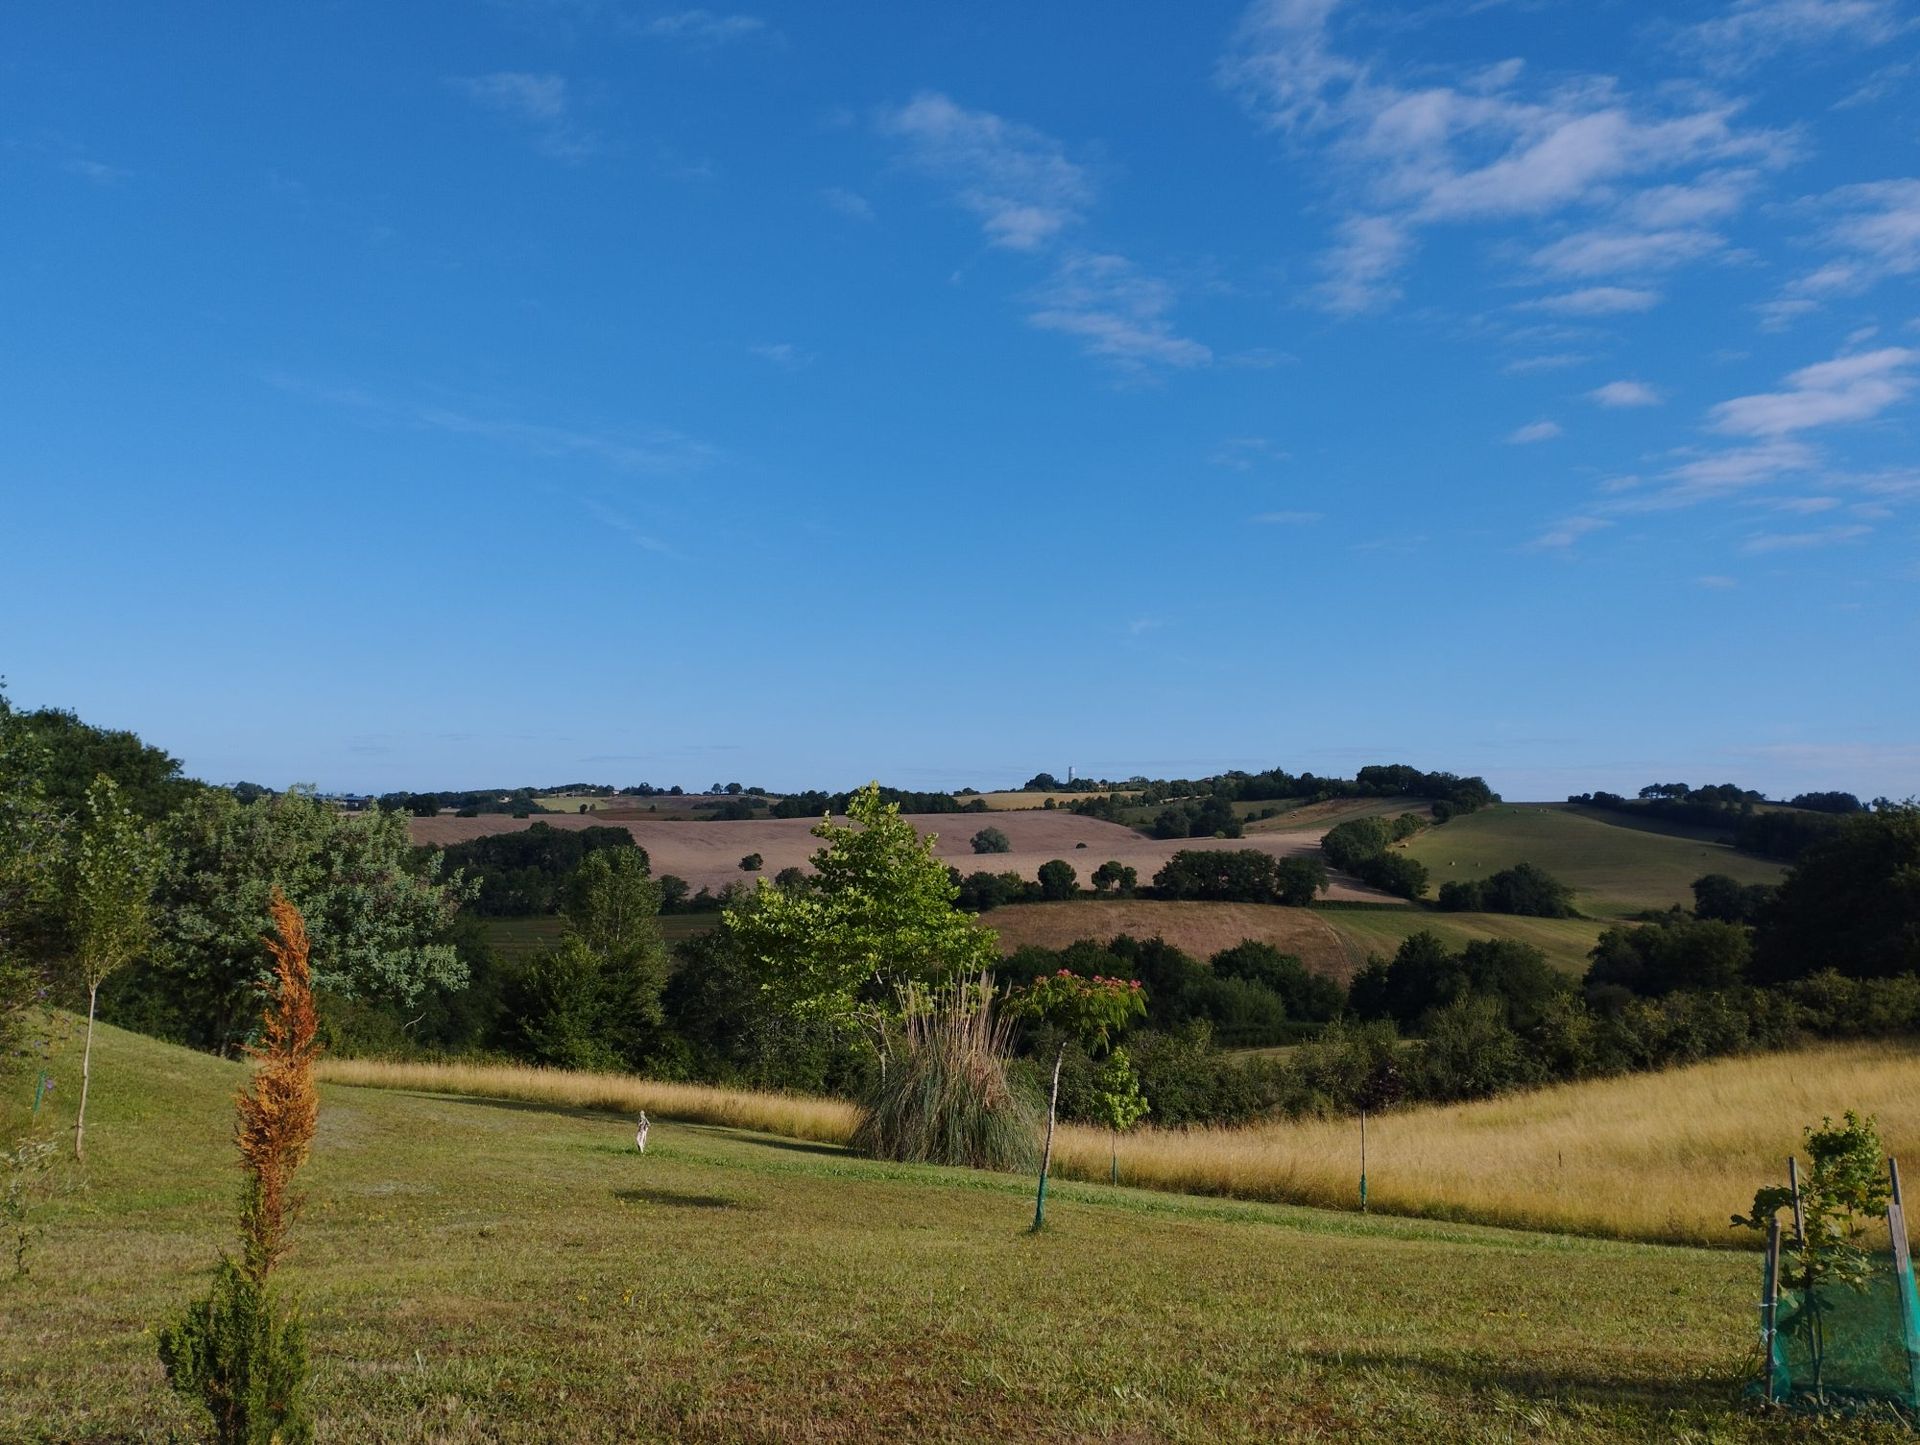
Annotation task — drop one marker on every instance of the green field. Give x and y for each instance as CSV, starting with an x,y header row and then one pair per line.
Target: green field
x,y
1614,870
475,1270
1379,931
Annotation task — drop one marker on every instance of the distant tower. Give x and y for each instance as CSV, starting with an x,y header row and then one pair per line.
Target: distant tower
x,y
1069,774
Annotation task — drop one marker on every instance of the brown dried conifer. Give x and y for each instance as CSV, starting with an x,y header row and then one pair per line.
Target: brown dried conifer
x,y
280,1106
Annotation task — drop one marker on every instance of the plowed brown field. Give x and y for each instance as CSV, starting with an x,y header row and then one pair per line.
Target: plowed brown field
x,y
708,855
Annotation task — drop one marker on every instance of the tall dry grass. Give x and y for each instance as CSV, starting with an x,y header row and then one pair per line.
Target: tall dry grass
x,y
798,1116
1664,1157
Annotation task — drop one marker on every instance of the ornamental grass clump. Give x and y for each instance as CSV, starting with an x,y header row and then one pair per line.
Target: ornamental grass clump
x,y
945,1098
242,1350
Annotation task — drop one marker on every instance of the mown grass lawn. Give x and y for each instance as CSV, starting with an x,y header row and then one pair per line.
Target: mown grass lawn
x,y
478,1270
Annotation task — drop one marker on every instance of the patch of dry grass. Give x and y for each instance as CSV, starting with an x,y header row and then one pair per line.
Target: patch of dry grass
x,y
1665,1157
797,1116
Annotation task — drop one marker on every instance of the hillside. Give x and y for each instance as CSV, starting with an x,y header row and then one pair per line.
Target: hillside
x,y
1201,929
483,1271
708,854
1365,932
1614,870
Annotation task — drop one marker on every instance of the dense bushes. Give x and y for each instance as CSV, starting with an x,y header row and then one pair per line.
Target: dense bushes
x,y
1360,847
1209,817
523,873
1851,903
1721,897
1240,875
1676,953
1522,889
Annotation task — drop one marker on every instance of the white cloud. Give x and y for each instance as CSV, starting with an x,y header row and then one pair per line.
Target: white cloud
x,y
1872,231
1117,313
1551,361
1754,30
1716,582
703,27
1625,393
1565,534
1597,301
1763,542
1846,389
1408,149
1289,519
1534,431
783,354
1017,180
540,102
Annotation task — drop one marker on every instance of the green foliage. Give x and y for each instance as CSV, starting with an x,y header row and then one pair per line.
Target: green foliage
x,y
1675,952
1119,1104
880,914
1523,890
944,1097
116,866
1115,877
1851,903
1089,1011
75,753
242,1353
1845,1190
991,840
33,848
377,910
1240,875
1208,817
524,873
1307,995
1727,900
28,1172
1058,881
1423,976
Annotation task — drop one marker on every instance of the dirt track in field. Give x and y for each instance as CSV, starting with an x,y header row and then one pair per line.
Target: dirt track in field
x,y
708,855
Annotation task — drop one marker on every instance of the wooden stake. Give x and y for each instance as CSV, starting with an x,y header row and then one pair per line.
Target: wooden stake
x,y
1799,1214
1769,1307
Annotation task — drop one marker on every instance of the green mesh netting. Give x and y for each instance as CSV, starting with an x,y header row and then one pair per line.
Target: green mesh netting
x,y
1841,1343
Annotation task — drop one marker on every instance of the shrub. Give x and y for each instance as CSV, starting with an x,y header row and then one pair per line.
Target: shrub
x,y
992,840
1395,873
944,1097
242,1350
1307,995
1058,880
752,863
1676,953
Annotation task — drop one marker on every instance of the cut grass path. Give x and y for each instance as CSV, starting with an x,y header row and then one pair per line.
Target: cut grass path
x,y
477,1270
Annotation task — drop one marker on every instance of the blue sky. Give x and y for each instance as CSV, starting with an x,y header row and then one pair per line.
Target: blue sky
x,y
446,395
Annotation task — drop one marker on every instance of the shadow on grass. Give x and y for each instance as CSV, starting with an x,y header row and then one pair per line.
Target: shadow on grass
x,y
1550,1385
673,1199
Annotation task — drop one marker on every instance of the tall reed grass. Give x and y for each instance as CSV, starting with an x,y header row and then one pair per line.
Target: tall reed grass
x,y
944,1097
1667,1157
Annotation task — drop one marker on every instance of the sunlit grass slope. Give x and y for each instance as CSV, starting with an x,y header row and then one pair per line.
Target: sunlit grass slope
x,y
1378,932
1613,870
484,1270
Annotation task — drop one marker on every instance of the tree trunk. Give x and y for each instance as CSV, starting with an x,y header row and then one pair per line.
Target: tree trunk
x,y
86,1077
1046,1154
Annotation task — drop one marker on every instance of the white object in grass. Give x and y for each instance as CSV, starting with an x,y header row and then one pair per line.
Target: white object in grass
x,y
640,1136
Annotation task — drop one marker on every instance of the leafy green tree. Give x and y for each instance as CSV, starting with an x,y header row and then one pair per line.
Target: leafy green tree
x,y
1058,880
116,866
33,847
1118,1103
1084,1011
377,910
613,909
1851,903
75,753
879,914
1718,897
1675,954
991,840
1115,876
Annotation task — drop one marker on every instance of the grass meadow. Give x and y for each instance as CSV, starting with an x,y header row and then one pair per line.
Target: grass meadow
x,y
508,1270
1368,932
1614,870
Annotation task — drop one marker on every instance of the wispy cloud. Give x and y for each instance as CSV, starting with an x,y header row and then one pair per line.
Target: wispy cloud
x,y
1625,393
1597,301
1017,181
1563,535
783,354
1243,453
1870,232
1845,389
1289,519
539,103
1763,542
850,204
1755,30
1716,582
640,538
1410,149
1534,431
655,451
1116,312
703,27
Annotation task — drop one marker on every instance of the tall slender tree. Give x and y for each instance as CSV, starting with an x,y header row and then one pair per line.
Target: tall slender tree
x,y
116,866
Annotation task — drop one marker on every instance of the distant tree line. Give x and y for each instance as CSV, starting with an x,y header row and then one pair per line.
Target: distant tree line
x,y
1782,832
1361,847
